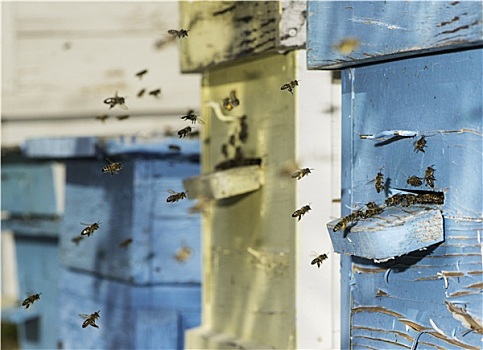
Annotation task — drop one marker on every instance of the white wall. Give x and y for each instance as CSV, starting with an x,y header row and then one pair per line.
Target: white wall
x,y
60,60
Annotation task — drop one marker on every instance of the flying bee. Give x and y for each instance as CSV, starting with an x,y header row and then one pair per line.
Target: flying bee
x,y
184,132
420,144
141,93
90,320
125,243
175,196
179,33
77,239
414,181
231,102
224,150
30,300
112,168
102,117
89,229
192,117
347,45
140,74
174,148
300,173
116,100
243,134
155,93
183,254
290,86
122,117
429,177
300,212
319,260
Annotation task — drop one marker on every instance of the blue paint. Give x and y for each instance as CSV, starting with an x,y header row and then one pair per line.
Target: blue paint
x,y
435,96
388,29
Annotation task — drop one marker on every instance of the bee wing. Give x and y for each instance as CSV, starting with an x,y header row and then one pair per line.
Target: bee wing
x,y
173,32
199,120
123,106
85,224
170,191
84,316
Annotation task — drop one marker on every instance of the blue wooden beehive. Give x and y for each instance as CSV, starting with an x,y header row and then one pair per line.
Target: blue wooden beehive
x,y
393,94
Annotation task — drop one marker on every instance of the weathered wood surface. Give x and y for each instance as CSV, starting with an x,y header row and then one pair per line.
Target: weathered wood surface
x,y
388,29
390,234
438,96
226,31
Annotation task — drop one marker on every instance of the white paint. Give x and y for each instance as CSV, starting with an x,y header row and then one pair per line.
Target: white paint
x,y
318,289
370,21
10,293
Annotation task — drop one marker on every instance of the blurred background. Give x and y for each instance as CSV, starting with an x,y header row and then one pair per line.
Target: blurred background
x,y
156,269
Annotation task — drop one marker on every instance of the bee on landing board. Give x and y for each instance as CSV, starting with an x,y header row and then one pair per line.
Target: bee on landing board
x,y
89,230
116,100
90,320
184,132
300,173
179,33
175,196
30,300
319,260
192,117
112,168
300,212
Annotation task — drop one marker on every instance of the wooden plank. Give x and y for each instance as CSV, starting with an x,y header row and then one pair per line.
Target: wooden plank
x,y
392,233
226,31
388,29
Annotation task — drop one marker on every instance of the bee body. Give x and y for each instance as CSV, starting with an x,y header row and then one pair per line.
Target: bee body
x,y
414,181
300,212
30,300
231,102
184,132
141,93
319,260
90,320
90,229
155,93
290,86
420,144
300,173
112,168
116,100
429,177
379,182
140,74
192,117
175,196
179,33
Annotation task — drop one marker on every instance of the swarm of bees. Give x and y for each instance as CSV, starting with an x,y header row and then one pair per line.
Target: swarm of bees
x,y
90,320
191,116
300,173
179,33
290,86
30,300
116,100
90,229
300,212
231,102
112,168
175,196
319,260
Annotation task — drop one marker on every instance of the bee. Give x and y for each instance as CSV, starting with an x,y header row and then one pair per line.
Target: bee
x,y
116,100
243,134
414,181
183,254
185,131
77,239
102,117
420,144
90,320
30,300
430,198
239,153
224,150
174,148
122,117
394,200
347,45
429,177
300,212
372,209
379,182
192,117
89,229
344,221
179,33
125,243
141,93
232,140
319,260
155,93
140,74
231,102
112,168
290,86
175,196
300,173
